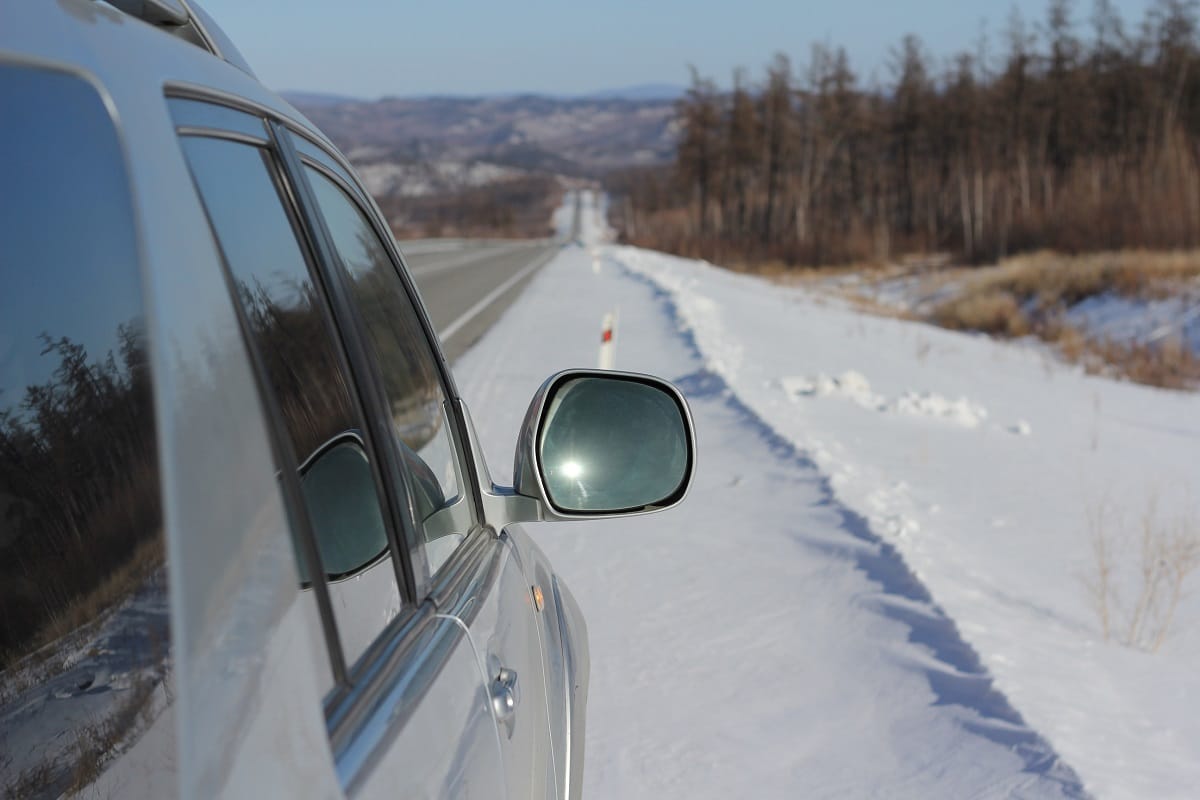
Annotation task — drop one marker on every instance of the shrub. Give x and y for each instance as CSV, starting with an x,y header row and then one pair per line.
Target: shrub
x,y
1168,552
995,312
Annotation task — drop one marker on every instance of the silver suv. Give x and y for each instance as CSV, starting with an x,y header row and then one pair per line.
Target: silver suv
x,y
248,543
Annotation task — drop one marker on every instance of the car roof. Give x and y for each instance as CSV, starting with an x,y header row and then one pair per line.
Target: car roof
x,y
129,56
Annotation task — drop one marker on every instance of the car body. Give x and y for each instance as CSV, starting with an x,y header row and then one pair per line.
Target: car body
x,y
249,545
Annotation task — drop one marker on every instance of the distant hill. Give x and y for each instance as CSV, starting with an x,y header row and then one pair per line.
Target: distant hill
x,y
491,166
583,136
644,91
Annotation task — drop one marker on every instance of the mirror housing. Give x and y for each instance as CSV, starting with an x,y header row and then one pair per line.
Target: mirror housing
x,y
599,443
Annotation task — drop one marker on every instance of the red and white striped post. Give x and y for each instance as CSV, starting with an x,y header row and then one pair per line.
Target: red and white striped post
x,y
608,341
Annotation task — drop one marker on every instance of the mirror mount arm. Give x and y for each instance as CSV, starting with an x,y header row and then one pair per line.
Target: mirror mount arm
x,y
502,505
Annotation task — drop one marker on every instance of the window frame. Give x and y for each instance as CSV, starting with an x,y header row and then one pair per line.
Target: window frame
x,y
428,585
396,670
345,674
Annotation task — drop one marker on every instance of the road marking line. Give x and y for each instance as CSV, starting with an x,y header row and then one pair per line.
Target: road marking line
x,y
491,297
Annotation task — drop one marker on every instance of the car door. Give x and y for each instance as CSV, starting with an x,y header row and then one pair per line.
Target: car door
x,y
509,640
408,710
469,570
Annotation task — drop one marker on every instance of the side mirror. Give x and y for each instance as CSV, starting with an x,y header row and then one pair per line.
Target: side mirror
x,y
598,443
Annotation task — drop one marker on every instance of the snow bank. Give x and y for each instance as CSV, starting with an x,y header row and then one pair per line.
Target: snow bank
x,y
982,462
760,635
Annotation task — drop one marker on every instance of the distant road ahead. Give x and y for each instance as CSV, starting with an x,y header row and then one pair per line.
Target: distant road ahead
x,y
467,284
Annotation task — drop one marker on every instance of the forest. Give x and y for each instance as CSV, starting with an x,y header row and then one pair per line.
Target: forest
x,y
1079,132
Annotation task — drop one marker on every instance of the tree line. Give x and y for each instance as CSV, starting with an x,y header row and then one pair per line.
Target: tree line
x,y
1062,140
80,514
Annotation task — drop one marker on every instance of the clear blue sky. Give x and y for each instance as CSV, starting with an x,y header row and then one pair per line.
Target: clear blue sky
x,y
369,48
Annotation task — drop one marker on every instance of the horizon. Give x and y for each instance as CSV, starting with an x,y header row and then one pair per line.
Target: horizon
x,y
374,49
654,91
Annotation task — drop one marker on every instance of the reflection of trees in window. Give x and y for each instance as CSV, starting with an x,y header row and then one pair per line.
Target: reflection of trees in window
x,y
410,379
294,340
79,489
408,371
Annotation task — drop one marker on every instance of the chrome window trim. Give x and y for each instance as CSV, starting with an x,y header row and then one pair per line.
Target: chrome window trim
x,y
284,455
198,115
220,133
316,157
451,589
458,428
572,767
398,503
402,664
369,721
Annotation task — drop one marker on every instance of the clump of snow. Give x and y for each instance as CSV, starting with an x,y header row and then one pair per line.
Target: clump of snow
x,y
931,404
854,386
850,385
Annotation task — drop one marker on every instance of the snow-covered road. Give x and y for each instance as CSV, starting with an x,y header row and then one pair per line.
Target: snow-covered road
x,y
769,636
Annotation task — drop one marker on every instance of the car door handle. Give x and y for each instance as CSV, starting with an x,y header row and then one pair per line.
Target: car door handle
x,y
505,695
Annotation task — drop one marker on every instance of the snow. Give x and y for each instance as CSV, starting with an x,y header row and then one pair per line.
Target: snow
x,y
876,586
855,387
785,627
1144,321
419,179
995,525
99,682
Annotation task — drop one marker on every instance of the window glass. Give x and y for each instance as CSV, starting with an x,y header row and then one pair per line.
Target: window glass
x,y
299,351
409,368
85,644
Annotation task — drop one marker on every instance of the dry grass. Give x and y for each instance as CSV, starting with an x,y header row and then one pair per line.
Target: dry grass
x,y
996,312
1053,280
98,744
85,611
93,748
1168,364
1168,552
31,782
1029,295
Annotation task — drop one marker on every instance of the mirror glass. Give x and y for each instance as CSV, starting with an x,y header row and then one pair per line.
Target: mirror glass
x,y
612,444
347,521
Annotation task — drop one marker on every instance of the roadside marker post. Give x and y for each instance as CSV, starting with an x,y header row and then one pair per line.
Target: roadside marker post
x,y
608,341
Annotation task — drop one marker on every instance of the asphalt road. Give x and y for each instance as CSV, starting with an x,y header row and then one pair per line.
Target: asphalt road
x,y
467,284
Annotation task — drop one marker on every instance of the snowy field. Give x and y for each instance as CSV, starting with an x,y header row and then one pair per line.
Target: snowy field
x,y
878,585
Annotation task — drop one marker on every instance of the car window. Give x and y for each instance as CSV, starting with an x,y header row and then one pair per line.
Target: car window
x,y
305,369
417,401
85,640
